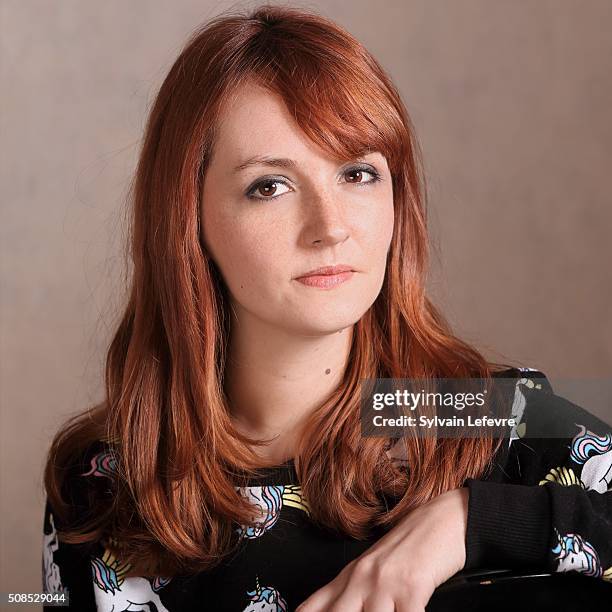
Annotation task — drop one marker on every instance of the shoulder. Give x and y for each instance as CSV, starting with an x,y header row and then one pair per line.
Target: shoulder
x,y
558,439
87,477
548,414
94,467
531,378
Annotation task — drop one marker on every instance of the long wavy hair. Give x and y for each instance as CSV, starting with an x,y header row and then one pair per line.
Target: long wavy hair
x,y
165,417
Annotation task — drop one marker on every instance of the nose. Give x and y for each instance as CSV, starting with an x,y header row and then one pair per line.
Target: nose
x,y
326,222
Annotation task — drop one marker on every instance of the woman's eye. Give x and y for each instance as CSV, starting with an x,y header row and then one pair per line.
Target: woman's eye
x,y
266,190
357,175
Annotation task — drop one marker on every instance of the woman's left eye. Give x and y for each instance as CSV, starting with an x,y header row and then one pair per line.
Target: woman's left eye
x,y
358,172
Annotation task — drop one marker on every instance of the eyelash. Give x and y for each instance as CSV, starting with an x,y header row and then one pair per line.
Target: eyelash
x,y
376,177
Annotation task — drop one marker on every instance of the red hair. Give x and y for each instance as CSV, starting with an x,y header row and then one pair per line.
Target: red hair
x,y
165,416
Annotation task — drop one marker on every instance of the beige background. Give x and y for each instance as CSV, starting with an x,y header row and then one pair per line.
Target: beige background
x,y
511,101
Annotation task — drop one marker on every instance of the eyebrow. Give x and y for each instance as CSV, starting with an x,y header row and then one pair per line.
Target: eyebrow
x,y
278,162
264,160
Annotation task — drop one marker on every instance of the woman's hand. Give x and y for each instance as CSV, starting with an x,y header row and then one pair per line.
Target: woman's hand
x,y
401,570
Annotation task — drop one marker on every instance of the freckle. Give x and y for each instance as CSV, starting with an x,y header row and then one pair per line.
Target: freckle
x,y
327,371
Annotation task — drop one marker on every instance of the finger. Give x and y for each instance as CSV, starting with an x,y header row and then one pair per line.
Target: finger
x,y
321,600
318,601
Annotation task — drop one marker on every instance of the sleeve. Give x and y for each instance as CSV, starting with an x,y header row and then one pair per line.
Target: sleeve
x,y
553,509
66,569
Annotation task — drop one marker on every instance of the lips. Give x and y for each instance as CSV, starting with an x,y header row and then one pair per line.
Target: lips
x,y
328,271
327,277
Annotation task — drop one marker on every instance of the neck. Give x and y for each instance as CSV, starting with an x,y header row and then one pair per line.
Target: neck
x,y
275,378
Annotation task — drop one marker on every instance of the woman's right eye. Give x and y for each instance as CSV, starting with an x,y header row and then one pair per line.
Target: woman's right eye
x,y
265,190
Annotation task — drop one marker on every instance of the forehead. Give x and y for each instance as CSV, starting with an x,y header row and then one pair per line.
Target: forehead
x,y
257,122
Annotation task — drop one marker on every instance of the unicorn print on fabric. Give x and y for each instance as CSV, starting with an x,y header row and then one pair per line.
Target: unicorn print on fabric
x,y
594,453
574,553
518,406
51,574
266,599
116,593
102,464
268,500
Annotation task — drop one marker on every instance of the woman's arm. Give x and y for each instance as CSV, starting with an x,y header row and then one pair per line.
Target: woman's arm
x,y
548,506
554,510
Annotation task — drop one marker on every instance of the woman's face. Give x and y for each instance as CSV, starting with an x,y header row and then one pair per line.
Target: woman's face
x,y
266,223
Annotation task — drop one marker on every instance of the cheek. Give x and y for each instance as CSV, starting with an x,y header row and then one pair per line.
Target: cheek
x,y
378,232
246,255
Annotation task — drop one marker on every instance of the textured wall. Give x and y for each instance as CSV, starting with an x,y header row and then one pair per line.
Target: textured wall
x,y
511,102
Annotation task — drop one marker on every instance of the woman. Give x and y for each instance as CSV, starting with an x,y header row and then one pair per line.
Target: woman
x,y
225,469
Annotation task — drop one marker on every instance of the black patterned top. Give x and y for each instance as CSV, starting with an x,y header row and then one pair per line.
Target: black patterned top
x,y
546,504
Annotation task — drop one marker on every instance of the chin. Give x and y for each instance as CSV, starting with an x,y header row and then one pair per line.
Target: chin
x,y
318,323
